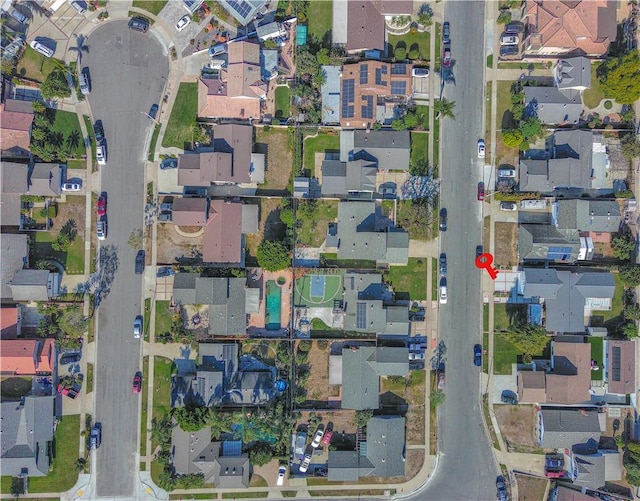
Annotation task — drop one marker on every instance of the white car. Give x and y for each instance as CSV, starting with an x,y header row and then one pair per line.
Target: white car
x,y
42,49
183,22
282,471
508,206
509,40
101,230
101,155
506,173
443,293
317,438
304,465
420,72
80,6
481,148
71,187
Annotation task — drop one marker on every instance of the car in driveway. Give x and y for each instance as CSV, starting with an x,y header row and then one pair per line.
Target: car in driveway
x,y
74,186
42,49
282,471
446,55
508,206
443,291
101,155
417,356
80,6
300,445
502,488
139,24
137,382
306,461
508,50
506,172
443,220
446,32
101,206
165,271
508,39
481,148
163,217
420,72
70,358
183,22
101,230
509,397
137,327
317,438
169,163
95,439
480,191
443,264
477,355
326,439
140,257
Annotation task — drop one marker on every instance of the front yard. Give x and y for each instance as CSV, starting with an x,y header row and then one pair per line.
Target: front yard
x,y
419,41
419,147
152,6
163,318
592,96
35,66
504,355
179,131
506,314
412,390
409,282
516,424
277,144
319,144
67,128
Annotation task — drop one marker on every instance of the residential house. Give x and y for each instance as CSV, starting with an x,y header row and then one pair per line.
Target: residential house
x,y
621,366
46,179
27,357
225,224
239,90
562,428
382,455
14,249
244,11
552,105
572,73
568,296
14,183
596,219
230,162
363,234
10,322
226,300
16,118
330,94
364,153
561,27
574,162
543,242
359,25
592,471
568,379
373,91
34,285
358,370
220,463
270,31
27,429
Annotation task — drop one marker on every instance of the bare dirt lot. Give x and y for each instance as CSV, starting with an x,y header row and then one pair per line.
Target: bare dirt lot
x,y
175,245
531,488
317,386
506,240
413,393
275,144
516,425
270,227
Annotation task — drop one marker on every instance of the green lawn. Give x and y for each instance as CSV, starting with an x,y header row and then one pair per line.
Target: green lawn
x,y
410,282
504,354
319,325
504,120
521,66
283,100
65,454
162,386
163,317
597,355
152,6
436,143
320,143
73,259
67,124
35,66
419,146
593,95
617,303
313,230
423,116
143,416
505,314
485,318
76,164
320,16
179,132
434,278
331,260
418,40
152,145
89,378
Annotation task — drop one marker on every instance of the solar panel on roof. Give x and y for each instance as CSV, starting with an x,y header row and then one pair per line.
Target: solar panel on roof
x,y
559,253
348,93
399,69
364,74
379,73
240,6
399,88
361,315
367,107
232,448
615,363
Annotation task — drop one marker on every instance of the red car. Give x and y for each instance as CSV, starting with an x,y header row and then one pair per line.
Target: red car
x,y
480,191
326,439
446,55
101,209
137,382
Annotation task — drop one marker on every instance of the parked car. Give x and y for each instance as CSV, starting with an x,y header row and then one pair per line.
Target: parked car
x,y
18,16
481,148
317,438
514,28
326,440
84,81
137,382
554,461
101,155
506,173
137,327
443,220
509,397
507,39
69,392
417,356
446,32
441,381
165,216
446,55
95,439
300,445
42,49
101,230
98,131
166,206
70,358
420,72
139,24
101,206
80,6
140,262
443,290
508,50
71,186
508,206
479,250
217,49
165,271
153,111
502,488
443,264
477,355
169,163
282,471
306,461
183,22
480,191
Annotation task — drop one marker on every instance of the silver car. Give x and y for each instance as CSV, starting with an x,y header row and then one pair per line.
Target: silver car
x,y
137,327
42,49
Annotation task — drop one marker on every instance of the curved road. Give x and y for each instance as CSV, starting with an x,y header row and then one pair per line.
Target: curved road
x,y
128,74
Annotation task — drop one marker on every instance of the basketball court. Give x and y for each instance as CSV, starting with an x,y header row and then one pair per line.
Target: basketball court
x,y
318,291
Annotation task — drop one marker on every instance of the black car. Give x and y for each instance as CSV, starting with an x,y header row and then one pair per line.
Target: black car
x,y
446,32
479,250
165,271
98,131
508,50
443,219
70,358
443,264
514,28
139,24
153,111
509,397
140,262
95,439
169,163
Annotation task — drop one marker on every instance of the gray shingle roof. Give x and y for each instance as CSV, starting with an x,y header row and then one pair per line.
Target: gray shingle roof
x,y
45,179
573,73
30,285
343,466
390,148
563,428
385,443
536,240
591,470
588,215
14,177
553,106
14,249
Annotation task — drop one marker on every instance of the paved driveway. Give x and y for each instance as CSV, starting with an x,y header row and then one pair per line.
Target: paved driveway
x,y
170,15
56,30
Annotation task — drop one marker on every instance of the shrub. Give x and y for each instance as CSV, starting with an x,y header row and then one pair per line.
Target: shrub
x,y
273,255
414,54
400,52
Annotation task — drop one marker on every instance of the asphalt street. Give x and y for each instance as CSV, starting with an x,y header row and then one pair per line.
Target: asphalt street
x,y
467,468
128,74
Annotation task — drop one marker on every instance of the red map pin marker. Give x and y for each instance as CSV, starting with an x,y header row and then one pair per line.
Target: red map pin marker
x,y
483,261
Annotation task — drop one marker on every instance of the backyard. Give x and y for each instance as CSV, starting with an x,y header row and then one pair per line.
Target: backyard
x,y
282,101
35,66
597,356
179,131
408,282
276,144
319,144
412,41
318,388
313,224
270,227
320,16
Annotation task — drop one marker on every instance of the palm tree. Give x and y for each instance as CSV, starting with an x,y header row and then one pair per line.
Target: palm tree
x,y
80,47
444,108
38,106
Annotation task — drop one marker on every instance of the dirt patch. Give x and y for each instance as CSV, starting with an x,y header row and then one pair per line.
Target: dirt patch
x,y
411,393
175,245
531,488
317,386
13,388
277,147
341,421
506,240
516,426
269,228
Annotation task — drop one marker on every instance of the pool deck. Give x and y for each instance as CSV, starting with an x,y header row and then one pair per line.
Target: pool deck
x,y
257,320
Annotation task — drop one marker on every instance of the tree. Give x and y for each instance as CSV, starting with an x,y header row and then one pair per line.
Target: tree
x,y
161,430
323,57
411,120
38,134
17,486
61,243
166,481
630,146
72,322
632,462
398,124
512,138
400,52
504,17
630,275
416,216
436,398
191,481
630,329
135,239
528,338
420,168
444,108
414,53
531,128
55,85
306,63
191,417
273,255
80,47
362,418
623,245
632,312
620,79
220,422
261,453
81,463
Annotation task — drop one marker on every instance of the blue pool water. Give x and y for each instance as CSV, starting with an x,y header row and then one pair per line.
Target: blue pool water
x,y
274,299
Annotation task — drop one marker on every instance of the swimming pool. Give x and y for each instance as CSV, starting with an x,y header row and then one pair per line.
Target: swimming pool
x,y
274,299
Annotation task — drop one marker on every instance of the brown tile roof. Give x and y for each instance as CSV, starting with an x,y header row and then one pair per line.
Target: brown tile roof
x,y
219,105
531,387
571,26
222,242
15,125
9,322
371,81
570,380
202,169
622,366
190,211
365,22
26,356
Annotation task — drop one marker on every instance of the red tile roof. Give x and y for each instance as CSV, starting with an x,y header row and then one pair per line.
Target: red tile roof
x,y
9,322
15,124
27,356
